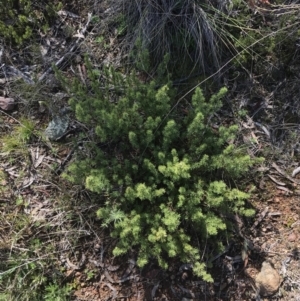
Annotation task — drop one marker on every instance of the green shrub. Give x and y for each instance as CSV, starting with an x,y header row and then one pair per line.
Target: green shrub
x,y
18,140
158,166
18,19
55,292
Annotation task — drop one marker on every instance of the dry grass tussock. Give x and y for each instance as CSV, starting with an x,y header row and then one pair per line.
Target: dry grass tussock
x,y
184,29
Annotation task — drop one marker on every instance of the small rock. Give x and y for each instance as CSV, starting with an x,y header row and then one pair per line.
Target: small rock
x,y
184,276
251,272
264,246
268,280
7,103
57,127
292,237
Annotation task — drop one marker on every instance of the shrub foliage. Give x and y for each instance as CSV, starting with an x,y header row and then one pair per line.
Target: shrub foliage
x,y
19,19
157,165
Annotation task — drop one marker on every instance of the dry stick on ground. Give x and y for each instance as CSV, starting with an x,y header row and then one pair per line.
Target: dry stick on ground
x,y
295,171
284,174
76,44
260,218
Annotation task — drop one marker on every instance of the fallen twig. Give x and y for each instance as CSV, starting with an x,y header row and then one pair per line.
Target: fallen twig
x,y
113,289
111,280
295,171
276,181
274,165
266,131
274,213
261,217
284,189
153,291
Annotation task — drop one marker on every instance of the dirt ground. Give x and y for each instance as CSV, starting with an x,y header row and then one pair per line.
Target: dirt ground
x,y
275,239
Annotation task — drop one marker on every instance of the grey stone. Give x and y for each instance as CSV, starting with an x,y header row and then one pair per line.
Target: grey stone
x,y
58,126
267,280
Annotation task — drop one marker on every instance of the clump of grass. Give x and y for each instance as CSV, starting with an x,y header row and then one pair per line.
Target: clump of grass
x,y
185,29
17,140
29,270
26,279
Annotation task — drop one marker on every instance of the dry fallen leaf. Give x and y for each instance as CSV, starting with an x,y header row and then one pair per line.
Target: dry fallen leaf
x,y
295,171
78,35
7,103
28,181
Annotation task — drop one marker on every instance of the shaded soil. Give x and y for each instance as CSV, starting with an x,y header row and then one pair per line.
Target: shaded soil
x,y
275,238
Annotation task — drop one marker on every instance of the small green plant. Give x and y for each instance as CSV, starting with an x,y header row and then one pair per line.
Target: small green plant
x,y
4,297
141,57
20,136
90,274
25,276
20,201
160,171
22,278
101,41
122,25
3,182
54,292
